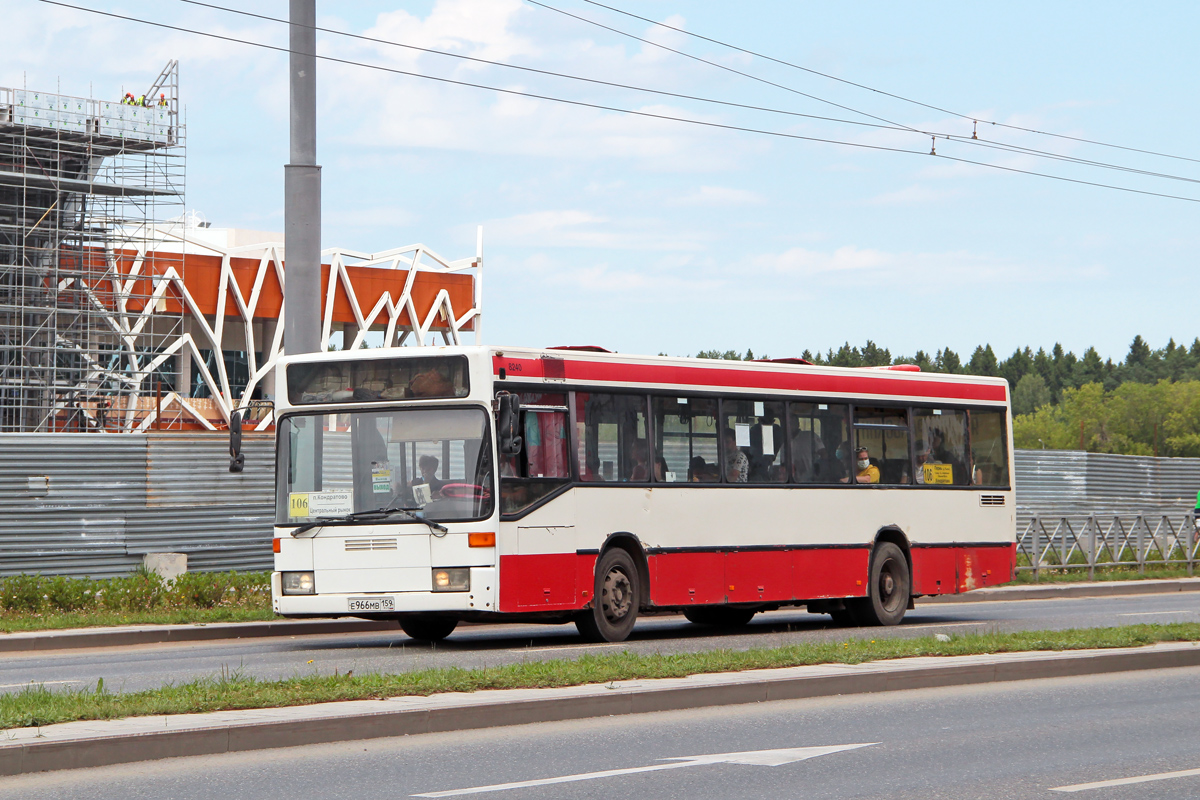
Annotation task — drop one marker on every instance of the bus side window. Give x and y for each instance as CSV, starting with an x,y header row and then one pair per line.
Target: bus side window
x,y
989,448
941,447
543,464
818,432
612,437
685,448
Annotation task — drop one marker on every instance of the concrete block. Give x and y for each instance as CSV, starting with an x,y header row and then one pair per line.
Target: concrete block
x,y
168,566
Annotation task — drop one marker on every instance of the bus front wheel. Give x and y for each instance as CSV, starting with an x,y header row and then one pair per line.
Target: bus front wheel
x,y
888,590
428,629
615,600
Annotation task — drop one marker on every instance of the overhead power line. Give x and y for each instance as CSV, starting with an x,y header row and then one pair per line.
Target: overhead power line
x,y
553,74
878,91
923,132
602,107
973,139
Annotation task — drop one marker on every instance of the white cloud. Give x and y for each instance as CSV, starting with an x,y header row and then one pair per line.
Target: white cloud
x,y
878,267
582,229
720,196
913,195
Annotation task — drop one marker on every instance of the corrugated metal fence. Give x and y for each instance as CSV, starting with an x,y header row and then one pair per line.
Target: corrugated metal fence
x,y
92,504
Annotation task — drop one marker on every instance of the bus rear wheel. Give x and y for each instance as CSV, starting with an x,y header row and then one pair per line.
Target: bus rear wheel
x,y
720,616
888,589
615,600
428,629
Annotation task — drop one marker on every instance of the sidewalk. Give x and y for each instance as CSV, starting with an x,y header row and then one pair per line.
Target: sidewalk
x,y
76,745
26,641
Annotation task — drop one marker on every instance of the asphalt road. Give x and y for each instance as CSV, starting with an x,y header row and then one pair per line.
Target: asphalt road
x,y
149,666
1002,742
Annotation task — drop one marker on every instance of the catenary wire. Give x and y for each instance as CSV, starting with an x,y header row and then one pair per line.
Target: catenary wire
x,y
923,132
633,112
974,139
886,93
566,76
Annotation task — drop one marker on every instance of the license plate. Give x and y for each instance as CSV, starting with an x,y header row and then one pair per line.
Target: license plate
x,y
372,604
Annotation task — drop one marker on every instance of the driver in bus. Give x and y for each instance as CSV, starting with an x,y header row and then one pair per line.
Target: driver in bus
x,y
428,465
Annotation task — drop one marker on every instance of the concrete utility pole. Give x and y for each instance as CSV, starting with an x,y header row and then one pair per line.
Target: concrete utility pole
x,y
302,191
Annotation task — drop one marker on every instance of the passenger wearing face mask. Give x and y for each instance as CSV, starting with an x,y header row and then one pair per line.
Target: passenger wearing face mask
x,y
867,472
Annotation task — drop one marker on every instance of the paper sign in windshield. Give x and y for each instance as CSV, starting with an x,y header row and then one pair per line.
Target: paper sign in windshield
x,y
320,504
381,480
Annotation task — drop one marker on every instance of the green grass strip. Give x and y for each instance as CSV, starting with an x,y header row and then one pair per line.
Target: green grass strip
x,y
35,705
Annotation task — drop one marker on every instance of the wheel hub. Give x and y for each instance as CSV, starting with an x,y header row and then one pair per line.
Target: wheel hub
x,y
616,594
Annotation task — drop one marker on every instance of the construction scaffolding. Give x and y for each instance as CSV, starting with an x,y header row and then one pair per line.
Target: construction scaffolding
x,y
85,187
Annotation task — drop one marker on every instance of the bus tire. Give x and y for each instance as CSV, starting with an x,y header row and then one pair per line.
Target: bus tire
x,y
888,589
428,628
720,616
615,601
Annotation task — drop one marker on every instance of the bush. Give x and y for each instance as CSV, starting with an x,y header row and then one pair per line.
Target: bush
x,y
69,594
23,593
141,590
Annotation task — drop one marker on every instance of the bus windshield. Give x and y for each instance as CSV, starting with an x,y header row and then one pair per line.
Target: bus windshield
x,y
434,461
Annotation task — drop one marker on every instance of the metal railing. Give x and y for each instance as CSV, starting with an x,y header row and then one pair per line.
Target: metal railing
x,y
1079,542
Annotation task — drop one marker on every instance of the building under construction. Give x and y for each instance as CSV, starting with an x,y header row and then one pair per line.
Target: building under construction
x,y
85,184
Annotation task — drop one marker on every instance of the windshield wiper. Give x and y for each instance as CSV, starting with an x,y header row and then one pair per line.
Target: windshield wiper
x,y
377,514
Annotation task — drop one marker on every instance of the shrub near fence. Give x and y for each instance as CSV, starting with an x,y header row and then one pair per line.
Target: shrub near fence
x,y
141,591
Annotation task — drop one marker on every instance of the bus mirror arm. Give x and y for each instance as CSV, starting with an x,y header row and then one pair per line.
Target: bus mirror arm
x,y
508,413
237,460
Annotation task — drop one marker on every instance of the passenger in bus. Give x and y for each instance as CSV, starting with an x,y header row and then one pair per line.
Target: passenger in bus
x,y
700,471
827,468
762,458
867,472
641,467
922,458
804,456
737,465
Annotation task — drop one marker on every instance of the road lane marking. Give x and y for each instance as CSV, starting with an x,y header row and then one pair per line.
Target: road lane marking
x,y
1161,776
567,647
1153,613
34,683
764,758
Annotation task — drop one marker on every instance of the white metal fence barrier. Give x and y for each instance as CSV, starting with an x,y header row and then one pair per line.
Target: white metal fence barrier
x,y
1088,542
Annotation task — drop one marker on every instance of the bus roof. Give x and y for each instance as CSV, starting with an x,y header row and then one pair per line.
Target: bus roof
x,y
597,369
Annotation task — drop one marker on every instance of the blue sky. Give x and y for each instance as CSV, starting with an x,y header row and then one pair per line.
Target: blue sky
x,y
654,236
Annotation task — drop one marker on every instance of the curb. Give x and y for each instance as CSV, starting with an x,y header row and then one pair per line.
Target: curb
x,y
1049,591
77,745
157,634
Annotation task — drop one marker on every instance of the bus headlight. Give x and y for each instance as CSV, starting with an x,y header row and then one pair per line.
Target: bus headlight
x,y
298,583
452,580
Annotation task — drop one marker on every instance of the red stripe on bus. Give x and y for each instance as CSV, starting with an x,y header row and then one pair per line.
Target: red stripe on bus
x,y
707,377
564,581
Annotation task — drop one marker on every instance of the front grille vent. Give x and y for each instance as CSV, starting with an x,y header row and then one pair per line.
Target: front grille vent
x,y
991,499
359,545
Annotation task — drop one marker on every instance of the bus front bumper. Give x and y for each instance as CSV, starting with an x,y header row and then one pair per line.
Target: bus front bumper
x,y
481,597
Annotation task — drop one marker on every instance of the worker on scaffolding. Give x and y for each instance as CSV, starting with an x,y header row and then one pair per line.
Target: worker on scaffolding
x,y
128,100
162,100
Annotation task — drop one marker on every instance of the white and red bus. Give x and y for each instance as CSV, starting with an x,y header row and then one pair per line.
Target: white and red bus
x,y
443,484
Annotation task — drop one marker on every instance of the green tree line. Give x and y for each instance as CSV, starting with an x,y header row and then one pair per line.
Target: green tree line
x,y
1147,404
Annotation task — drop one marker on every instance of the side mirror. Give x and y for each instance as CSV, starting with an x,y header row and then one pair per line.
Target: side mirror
x,y
237,460
508,416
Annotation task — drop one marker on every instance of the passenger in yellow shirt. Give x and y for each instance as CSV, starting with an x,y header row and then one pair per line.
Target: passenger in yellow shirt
x,y
867,472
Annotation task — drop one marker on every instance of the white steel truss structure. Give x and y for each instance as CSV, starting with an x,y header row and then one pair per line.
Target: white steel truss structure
x,y
243,313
